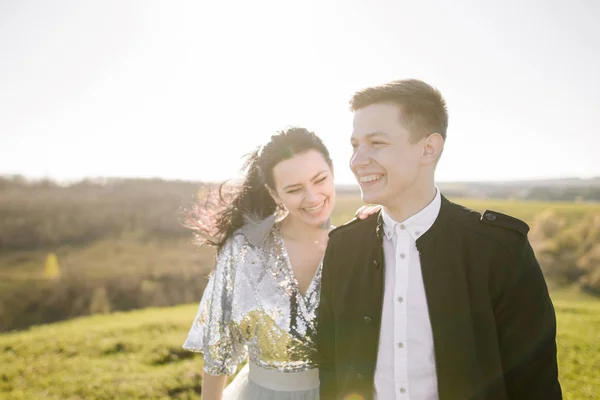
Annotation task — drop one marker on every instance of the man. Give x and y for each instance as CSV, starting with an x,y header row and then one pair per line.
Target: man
x,y
427,299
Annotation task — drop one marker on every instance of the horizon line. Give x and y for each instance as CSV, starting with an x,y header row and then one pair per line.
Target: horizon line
x,y
33,179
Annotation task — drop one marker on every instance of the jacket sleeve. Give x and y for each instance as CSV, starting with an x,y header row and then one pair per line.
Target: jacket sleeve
x,y
326,331
526,325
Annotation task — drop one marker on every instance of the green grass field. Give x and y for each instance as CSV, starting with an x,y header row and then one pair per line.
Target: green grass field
x,y
137,355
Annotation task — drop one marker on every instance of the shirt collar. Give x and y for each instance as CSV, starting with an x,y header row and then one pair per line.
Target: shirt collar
x,y
416,225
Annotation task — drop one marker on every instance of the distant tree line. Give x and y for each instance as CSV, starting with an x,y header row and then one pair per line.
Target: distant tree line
x,y
40,214
567,190
40,217
34,302
43,214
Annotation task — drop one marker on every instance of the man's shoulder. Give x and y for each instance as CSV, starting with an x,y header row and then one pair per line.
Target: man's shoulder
x,y
499,226
356,226
498,221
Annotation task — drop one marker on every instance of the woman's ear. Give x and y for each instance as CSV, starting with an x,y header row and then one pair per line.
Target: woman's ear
x,y
273,195
275,198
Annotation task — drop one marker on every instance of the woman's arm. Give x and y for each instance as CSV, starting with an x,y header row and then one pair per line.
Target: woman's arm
x,y
213,332
212,386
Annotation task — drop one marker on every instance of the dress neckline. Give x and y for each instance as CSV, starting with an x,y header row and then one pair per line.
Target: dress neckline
x,y
290,269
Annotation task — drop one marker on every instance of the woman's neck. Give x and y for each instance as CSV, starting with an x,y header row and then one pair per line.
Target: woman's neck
x,y
294,229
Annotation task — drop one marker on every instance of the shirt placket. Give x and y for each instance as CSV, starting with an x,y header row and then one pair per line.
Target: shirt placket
x,y
402,247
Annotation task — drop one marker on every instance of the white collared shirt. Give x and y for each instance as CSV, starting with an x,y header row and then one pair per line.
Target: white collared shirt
x,y
406,360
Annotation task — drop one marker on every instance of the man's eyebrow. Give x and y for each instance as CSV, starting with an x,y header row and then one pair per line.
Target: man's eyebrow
x,y
373,134
377,133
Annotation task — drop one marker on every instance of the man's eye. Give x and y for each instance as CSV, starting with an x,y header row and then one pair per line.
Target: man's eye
x,y
321,180
293,191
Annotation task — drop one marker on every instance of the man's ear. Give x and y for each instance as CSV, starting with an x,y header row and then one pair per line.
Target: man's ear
x,y
432,147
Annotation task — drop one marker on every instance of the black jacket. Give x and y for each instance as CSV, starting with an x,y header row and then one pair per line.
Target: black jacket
x,y
493,323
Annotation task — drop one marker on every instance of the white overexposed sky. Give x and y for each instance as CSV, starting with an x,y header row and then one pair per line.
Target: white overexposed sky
x,y
183,89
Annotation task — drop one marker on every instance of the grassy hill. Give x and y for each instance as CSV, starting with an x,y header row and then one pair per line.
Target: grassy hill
x,y
137,355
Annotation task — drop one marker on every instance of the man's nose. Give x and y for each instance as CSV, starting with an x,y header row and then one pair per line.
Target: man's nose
x,y
359,158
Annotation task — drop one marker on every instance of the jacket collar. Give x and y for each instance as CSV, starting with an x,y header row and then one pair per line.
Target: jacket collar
x,y
444,217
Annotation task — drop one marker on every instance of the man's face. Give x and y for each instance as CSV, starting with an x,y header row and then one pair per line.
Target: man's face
x,y
384,161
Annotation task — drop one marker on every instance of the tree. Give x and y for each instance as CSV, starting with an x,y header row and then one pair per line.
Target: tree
x,y
52,269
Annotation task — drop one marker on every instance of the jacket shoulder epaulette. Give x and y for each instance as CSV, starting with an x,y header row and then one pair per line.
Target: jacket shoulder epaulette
x,y
494,218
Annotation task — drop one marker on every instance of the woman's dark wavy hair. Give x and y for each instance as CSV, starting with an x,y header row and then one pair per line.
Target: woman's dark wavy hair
x,y
215,218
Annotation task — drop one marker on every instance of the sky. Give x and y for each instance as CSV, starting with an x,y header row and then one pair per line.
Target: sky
x,y
184,89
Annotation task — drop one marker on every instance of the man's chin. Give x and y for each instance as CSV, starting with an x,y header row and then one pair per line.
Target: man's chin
x,y
370,197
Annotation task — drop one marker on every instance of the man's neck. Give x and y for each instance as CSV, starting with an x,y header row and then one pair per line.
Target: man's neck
x,y
411,203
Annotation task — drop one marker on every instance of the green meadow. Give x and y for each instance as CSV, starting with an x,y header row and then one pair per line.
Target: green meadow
x,y
138,355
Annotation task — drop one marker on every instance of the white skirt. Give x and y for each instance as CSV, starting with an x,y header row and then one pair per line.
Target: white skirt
x,y
256,383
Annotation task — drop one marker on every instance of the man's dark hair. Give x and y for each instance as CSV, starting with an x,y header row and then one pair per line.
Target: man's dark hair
x,y
422,107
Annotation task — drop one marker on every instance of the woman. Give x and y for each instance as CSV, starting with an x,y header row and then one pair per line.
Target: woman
x,y
262,297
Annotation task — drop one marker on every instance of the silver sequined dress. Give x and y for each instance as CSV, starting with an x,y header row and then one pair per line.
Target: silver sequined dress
x,y
252,307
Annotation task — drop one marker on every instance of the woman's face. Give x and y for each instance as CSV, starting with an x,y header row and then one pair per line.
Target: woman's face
x,y
304,185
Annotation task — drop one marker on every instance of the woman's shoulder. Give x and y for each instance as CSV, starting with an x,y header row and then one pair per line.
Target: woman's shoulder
x,y
240,254
236,241
235,253
250,240
256,232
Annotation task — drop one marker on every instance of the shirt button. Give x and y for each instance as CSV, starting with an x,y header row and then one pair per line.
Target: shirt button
x,y
400,345
400,299
402,256
360,377
367,320
402,390
417,233
402,227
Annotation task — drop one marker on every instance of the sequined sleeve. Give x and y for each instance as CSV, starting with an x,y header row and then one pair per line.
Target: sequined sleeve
x,y
213,332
